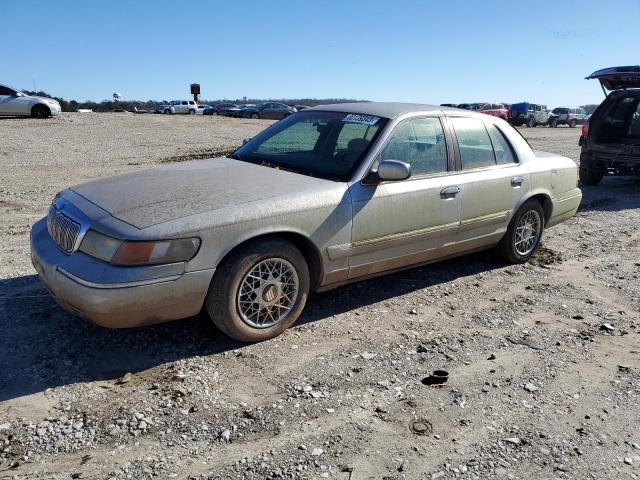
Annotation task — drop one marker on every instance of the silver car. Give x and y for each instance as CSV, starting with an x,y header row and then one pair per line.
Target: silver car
x,y
327,196
15,103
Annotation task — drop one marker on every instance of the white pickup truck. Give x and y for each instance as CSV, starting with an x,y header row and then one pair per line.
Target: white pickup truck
x,y
180,106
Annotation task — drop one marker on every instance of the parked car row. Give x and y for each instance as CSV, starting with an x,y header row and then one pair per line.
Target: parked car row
x,y
528,114
268,110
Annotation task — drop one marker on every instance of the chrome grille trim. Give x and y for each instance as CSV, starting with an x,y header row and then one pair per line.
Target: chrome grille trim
x,y
62,229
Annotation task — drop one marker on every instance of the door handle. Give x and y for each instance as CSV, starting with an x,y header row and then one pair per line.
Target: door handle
x,y
450,192
517,182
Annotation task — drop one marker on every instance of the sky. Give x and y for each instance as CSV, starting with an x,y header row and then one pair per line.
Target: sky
x,y
425,51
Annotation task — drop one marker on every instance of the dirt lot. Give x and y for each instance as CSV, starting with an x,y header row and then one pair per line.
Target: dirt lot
x,y
544,358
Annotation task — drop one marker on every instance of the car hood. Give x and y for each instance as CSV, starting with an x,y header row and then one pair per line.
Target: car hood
x,y
618,78
159,195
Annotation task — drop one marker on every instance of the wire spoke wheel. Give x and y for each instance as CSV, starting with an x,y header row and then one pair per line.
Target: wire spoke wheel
x,y
527,232
267,293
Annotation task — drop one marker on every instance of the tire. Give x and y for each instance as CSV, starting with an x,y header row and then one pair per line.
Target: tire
x,y
573,123
509,249
40,111
192,112
553,123
531,123
236,274
215,112
255,115
167,111
590,174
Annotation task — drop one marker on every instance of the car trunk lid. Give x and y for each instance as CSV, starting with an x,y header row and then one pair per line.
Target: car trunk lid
x,y
617,78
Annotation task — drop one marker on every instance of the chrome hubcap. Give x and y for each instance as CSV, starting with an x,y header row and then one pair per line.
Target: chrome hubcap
x,y
527,232
267,293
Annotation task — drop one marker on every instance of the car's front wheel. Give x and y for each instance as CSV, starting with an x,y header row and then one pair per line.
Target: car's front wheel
x,y
40,111
255,115
531,123
167,111
259,291
523,235
573,123
192,112
553,123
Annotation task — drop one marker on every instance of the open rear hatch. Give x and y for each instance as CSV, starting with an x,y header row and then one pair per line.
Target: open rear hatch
x,y
617,78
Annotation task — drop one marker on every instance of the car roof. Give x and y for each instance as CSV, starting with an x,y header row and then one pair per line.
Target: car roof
x,y
382,109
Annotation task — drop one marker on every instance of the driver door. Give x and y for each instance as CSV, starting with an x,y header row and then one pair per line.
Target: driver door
x,y
396,224
10,104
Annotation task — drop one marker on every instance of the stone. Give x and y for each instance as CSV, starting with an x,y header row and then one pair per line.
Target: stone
x,y
316,452
530,387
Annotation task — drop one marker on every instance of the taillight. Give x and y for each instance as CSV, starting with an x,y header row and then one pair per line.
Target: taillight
x,y
585,129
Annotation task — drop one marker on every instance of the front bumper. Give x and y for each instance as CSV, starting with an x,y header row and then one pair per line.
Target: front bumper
x,y
55,109
116,297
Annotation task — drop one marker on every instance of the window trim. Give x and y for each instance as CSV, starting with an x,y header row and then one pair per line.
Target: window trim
x,y
455,135
384,142
456,146
513,151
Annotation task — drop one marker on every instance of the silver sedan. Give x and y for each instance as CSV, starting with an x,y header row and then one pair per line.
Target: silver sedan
x,y
327,196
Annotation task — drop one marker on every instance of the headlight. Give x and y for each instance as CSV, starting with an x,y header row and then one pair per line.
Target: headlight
x,y
52,102
122,252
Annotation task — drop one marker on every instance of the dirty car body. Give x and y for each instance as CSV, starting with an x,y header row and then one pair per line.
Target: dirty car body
x,y
324,197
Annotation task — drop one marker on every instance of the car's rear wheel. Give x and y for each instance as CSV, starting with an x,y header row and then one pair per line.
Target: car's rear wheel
x,y
531,123
255,115
523,235
40,111
590,174
572,123
259,291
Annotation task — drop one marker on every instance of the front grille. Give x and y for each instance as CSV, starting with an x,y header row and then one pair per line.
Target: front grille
x,y
62,229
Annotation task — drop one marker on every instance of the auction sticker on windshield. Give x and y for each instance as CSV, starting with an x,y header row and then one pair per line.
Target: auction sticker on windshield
x,y
364,119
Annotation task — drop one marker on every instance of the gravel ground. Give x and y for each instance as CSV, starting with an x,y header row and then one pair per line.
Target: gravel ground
x,y
543,358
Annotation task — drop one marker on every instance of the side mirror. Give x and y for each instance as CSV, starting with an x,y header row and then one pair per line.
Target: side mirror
x,y
18,94
389,171
245,141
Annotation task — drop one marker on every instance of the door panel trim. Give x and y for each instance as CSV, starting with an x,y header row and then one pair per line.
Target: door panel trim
x,y
361,247
486,219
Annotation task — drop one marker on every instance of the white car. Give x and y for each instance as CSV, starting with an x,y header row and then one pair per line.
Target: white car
x,y
180,106
15,103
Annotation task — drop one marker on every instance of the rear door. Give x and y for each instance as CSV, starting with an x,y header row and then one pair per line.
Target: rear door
x,y
491,180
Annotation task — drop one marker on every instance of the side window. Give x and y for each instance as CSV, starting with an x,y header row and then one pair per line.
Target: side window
x,y
419,142
501,147
185,103
475,146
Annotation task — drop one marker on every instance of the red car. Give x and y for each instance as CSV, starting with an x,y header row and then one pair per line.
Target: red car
x,y
495,109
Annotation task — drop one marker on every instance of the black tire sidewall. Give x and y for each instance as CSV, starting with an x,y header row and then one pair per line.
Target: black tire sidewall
x,y
40,111
221,299
506,247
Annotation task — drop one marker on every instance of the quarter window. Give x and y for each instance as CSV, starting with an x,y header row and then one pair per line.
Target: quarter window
x,y
501,147
475,146
6,91
419,142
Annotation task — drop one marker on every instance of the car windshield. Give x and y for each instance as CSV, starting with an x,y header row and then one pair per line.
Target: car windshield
x,y
560,111
328,145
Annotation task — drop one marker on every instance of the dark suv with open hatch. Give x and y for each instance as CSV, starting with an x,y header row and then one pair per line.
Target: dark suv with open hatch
x,y
610,140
